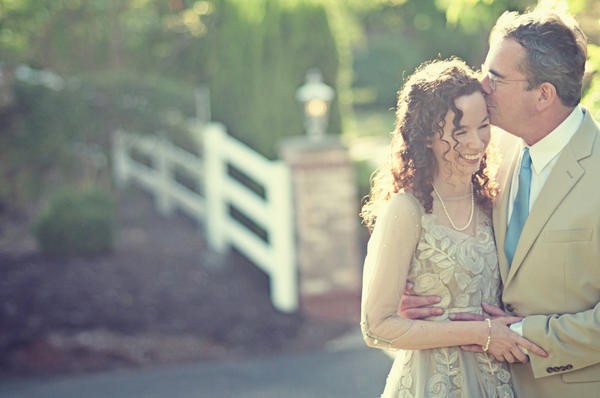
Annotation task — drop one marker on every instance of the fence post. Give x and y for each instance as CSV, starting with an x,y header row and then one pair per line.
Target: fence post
x,y
164,170
196,129
215,175
120,160
284,289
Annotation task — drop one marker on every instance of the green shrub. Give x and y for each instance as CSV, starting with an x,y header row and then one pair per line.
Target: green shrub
x,y
35,141
44,127
259,54
399,37
591,97
76,224
143,103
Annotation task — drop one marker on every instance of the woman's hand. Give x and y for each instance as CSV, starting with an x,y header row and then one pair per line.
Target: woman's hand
x,y
506,345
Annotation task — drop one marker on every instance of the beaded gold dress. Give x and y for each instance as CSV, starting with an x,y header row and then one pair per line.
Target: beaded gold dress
x,y
461,269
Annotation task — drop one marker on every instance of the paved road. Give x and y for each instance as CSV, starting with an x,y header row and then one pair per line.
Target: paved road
x,y
344,369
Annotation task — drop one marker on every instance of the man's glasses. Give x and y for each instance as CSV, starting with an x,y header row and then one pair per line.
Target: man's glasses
x,y
494,80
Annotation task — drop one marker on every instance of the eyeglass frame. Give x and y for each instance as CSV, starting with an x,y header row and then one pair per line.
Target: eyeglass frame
x,y
494,79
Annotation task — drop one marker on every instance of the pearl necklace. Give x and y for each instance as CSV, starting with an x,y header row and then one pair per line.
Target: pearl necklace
x,y
448,214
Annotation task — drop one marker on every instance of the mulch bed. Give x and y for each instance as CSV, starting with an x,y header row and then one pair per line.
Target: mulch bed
x,y
160,297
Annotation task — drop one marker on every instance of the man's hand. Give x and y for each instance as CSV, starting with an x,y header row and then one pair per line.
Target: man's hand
x,y
494,311
491,310
417,307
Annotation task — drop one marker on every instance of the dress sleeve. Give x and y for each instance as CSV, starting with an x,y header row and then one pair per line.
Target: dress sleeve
x,y
389,255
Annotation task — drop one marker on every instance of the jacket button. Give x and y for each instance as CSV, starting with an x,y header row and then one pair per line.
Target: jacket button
x,y
509,308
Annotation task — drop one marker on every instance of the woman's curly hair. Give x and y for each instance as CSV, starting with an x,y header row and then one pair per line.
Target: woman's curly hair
x,y
425,99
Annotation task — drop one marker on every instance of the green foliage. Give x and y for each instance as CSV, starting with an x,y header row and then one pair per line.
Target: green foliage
x,y
134,64
363,169
70,36
398,39
35,143
142,103
383,79
76,224
260,52
479,15
46,129
591,98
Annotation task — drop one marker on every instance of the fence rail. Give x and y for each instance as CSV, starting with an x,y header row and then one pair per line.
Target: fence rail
x,y
271,210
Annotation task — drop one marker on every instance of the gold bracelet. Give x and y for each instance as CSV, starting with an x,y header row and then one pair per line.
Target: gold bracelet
x,y
489,338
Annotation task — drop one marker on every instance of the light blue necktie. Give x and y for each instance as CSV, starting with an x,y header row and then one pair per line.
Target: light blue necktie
x,y
520,208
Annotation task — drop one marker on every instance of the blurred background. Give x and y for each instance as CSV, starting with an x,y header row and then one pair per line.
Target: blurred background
x,y
128,130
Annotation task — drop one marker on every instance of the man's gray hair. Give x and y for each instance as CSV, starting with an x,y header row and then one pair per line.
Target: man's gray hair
x,y
556,49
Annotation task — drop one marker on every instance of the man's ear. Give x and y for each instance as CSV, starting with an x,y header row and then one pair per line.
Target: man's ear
x,y
547,95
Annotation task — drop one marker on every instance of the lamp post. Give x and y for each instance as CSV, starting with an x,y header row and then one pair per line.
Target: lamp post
x,y
316,96
321,167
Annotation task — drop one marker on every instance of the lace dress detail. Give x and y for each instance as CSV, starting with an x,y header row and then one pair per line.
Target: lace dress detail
x,y
462,270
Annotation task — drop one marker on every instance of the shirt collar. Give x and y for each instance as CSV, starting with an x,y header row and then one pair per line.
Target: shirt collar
x,y
543,151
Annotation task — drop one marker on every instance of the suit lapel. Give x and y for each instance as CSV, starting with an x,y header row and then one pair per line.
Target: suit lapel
x,y
564,176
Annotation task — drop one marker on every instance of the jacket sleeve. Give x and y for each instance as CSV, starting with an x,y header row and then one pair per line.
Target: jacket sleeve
x,y
571,340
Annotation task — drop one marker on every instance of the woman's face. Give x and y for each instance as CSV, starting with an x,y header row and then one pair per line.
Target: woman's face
x,y
459,150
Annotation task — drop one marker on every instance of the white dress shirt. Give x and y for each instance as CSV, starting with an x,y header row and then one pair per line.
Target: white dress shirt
x,y
544,155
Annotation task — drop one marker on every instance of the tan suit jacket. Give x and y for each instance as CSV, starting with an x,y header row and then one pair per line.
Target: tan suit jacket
x,y
554,280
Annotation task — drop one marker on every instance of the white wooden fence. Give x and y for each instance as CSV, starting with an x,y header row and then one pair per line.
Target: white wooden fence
x,y
271,209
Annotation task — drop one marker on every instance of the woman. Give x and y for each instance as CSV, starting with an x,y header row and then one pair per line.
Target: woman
x,y
429,211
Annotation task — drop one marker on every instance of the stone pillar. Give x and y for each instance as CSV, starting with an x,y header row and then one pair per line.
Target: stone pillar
x,y
326,216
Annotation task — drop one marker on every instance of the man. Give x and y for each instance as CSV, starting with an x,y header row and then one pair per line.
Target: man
x,y
547,218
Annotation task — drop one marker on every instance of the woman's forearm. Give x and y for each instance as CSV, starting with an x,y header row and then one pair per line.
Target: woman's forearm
x,y
399,333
